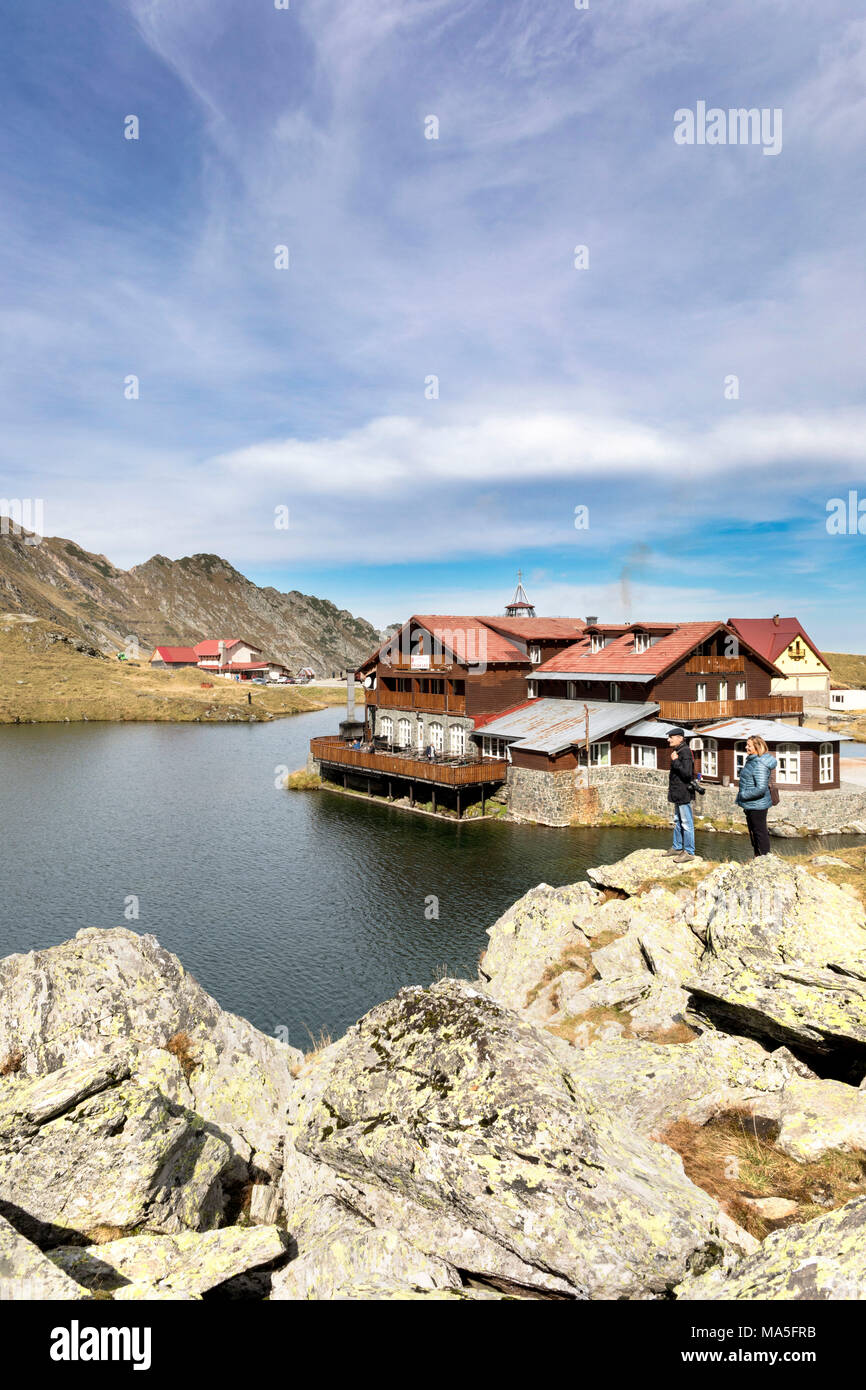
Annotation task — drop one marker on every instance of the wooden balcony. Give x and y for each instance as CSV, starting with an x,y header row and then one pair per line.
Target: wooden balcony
x,y
769,708
712,665
416,700
448,773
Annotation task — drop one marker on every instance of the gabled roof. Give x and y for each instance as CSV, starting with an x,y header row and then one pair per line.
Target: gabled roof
x,y
174,655
212,646
771,639
549,726
537,629
469,640
619,660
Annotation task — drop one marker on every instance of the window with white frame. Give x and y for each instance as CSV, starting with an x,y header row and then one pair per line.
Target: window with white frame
x,y
723,690
643,755
535,655
596,642
641,642
825,763
741,690
600,754
404,732
436,736
457,740
419,734
788,759
614,692
495,748
740,756
701,691
386,728
531,689
710,758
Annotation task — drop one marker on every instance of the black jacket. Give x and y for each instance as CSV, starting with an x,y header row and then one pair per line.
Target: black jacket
x,y
681,776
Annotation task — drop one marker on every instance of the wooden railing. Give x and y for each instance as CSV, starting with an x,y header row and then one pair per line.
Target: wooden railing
x,y
731,709
417,700
711,664
330,749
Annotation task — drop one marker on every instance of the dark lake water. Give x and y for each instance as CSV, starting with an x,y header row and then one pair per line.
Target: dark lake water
x,y
299,910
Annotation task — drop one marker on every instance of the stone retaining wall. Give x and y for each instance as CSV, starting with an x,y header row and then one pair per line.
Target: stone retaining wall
x,y
554,799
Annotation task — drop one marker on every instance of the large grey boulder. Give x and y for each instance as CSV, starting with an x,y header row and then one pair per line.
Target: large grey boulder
x,y
343,1255
88,1147
447,1098
110,988
26,1275
182,1265
533,935
785,957
639,869
819,1260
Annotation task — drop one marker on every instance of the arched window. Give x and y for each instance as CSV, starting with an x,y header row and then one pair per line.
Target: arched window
x,y
788,759
825,762
709,757
457,740
386,728
404,732
436,733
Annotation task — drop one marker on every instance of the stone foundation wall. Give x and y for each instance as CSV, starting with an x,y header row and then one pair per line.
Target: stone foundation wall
x,y
552,798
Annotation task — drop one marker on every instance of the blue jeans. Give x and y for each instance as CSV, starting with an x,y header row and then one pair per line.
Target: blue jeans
x,y
684,828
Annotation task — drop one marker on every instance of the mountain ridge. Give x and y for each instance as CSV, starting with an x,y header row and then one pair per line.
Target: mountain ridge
x,y
175,602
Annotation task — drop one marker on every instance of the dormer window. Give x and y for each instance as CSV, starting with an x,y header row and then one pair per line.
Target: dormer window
x,y
641,642
535,655
596,643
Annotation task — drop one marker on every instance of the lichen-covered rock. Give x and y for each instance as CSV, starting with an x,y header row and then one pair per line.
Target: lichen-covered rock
x,y
88,1146
106,989
181,1265
772,911
28,1275
785,956
533,935
343,1255
443,1095
821,1259
631,874
816,1117
652,1085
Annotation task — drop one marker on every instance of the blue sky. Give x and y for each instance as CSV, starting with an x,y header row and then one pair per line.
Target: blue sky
x,y
410,258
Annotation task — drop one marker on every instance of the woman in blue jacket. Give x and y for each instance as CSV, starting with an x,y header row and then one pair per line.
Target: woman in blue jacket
x,y
754,794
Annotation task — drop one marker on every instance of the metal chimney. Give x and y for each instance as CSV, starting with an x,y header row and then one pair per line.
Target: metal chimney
x,y
591,622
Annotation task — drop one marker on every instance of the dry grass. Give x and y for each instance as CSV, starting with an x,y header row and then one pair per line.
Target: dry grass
x,y
101,1235
181,1046
733,1157
320,1044
847,669
302,781
12,1062
50,682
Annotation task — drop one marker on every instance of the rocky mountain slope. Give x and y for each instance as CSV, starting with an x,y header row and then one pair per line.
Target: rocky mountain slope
x,y
175,602
653,1091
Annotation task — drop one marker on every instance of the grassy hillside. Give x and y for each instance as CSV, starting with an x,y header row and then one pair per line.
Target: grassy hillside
x,y
47,674
847,669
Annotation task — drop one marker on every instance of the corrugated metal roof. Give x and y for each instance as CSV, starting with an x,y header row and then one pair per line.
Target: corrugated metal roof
x,y
656,728
549,726
770,730
635,678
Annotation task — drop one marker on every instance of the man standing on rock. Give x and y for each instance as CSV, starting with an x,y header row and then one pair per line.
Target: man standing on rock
x,y
681,793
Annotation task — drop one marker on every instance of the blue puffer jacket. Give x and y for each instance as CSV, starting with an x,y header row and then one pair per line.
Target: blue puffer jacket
x,y
754,793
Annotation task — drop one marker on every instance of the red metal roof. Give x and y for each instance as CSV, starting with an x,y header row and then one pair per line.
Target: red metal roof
x,y
175,655
620,658
771,639
482,719
536,629
212,646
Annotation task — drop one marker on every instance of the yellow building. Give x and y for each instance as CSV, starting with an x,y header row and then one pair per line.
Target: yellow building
x,y
785,642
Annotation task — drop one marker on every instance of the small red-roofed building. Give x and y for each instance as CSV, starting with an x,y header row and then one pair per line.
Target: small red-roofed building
x,y
172,658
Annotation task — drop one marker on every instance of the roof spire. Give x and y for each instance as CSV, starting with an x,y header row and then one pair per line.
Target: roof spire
x,y
520,607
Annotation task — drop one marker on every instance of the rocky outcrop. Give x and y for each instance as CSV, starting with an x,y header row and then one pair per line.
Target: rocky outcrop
x,y
447,1098
822,1259
519,1136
